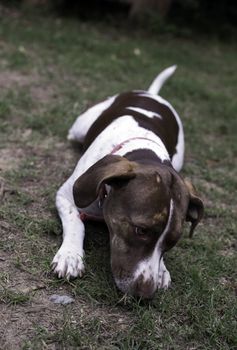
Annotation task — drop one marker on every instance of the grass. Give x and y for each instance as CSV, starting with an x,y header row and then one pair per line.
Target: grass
x,y
51,69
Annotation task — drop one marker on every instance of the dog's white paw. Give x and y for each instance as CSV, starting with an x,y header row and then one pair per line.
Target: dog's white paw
x,y
68,263
164,279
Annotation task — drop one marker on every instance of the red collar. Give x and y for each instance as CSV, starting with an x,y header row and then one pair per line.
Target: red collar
x,y
120,145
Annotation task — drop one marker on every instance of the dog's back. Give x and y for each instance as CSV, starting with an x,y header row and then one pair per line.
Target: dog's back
x,y
141,114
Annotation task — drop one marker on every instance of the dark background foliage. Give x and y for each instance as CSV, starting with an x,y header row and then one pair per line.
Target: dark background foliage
x,y
178,16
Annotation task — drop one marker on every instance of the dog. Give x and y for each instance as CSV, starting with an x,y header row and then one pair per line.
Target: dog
x,y
128,176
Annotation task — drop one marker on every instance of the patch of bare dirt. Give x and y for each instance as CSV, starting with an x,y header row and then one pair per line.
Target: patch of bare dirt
x,y
23,321
42,94
10,158
9,79
40,90
28,322
210,186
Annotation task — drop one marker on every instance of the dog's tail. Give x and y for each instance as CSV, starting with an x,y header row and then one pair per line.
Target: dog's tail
x,y
159,81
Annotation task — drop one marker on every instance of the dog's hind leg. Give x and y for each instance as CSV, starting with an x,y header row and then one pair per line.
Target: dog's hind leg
x,y
84,121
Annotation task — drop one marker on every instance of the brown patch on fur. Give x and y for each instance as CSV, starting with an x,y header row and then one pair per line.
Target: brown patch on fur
x,y
166,127
143,156
86,187
161,217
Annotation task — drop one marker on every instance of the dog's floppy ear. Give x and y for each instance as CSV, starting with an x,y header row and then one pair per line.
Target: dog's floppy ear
x,y
195,208
186,205
107,169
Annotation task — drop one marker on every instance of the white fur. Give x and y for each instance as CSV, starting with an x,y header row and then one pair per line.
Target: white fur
x,y
123,128
145,112
85,120
178,158
68,262
164,279
156,146
161,78
82,124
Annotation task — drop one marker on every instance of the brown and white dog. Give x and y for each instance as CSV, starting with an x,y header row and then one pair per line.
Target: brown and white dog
x,y
128,176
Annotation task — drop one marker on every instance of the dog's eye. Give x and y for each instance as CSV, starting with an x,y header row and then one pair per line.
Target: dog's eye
x,y
140,231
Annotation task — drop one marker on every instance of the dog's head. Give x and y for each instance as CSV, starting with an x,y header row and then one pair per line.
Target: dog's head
x,y
144,210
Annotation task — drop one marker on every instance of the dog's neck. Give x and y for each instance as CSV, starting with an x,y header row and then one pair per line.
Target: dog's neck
x,y
143,150
120,146
141,155
146,157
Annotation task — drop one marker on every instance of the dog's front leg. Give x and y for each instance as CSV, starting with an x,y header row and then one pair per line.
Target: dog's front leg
x,y
164,279
68,262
